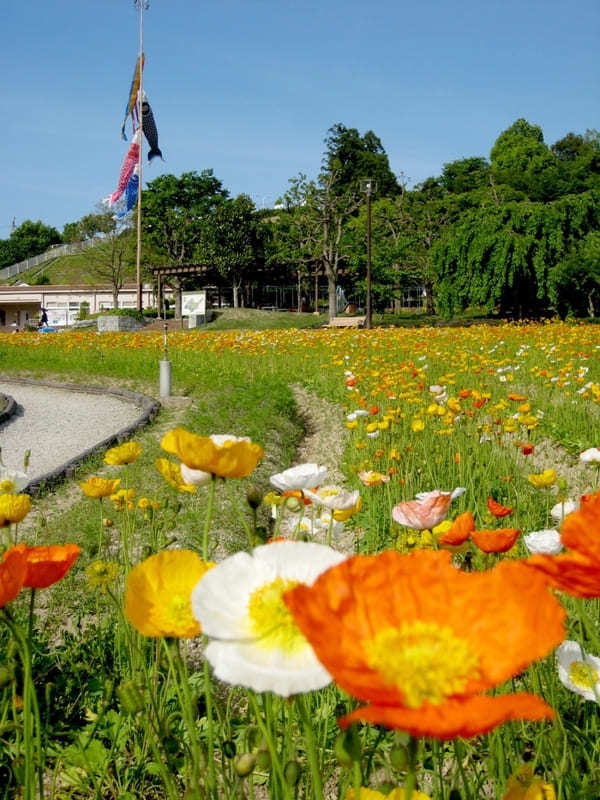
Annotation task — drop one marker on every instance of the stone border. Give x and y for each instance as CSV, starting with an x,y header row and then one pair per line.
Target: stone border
x,y
8,407
67,470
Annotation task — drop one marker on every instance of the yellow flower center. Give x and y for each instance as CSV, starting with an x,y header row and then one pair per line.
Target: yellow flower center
x,y
425,661
270,619
7,486
583,675
179,611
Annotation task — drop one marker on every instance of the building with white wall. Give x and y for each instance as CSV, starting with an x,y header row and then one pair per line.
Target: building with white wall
x,y
20,305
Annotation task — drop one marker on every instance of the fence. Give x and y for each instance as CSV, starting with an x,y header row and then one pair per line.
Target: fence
x,y
53,252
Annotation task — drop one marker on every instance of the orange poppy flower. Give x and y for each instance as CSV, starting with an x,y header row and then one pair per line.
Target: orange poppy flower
x,y
497,509
461,529
498,541
405,633
576,572
517,398
48,565
13,569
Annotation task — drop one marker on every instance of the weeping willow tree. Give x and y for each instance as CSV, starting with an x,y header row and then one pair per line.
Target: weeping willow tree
x,y
502,257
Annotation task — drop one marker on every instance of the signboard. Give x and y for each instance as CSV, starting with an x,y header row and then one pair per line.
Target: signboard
x,y
193,304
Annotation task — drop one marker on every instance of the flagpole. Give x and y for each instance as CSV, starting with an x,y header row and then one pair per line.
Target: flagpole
x,y
142,5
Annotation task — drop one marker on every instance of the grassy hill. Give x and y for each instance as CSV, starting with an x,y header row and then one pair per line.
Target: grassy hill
x,y
78,268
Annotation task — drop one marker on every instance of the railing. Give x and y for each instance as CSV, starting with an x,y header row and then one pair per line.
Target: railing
x,y
53,252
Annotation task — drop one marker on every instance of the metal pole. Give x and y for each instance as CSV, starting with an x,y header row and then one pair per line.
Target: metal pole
x,y
368,315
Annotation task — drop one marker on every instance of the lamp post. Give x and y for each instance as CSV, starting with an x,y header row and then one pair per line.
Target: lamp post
x,y
368,186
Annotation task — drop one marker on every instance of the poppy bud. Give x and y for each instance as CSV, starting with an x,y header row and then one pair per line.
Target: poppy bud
x,y
228,748
291,773
130,697
7,675
263,759
254,496
244,764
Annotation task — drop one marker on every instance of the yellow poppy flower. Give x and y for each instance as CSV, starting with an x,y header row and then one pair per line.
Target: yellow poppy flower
x,y
524,785
158,597
123,454
545,478
99,487
171,472
223,455
396,794
13,508
417,425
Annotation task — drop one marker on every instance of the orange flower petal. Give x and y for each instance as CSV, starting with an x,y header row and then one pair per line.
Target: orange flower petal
x,y
350,604
461,529
13,569
460,717
48,565
497,509
498,541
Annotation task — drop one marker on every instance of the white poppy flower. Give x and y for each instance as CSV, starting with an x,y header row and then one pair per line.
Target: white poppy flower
x,y
12,480
591,456
255,641
547,541
303,476
561,510
334,498
579,671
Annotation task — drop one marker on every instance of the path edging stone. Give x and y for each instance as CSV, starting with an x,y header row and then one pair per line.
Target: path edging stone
x,y
8,407
150,409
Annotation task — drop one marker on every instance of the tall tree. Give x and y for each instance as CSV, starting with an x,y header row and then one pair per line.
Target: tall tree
x,y
352,157
231,241
31,239
173,214
521,159
501,257
114,260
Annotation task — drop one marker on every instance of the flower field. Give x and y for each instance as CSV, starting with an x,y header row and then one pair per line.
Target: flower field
x,y
193,617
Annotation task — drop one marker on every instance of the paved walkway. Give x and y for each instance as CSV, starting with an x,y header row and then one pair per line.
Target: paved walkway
x,y
58,424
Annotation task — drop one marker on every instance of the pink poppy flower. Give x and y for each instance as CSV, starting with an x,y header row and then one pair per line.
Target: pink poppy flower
x,y
427,511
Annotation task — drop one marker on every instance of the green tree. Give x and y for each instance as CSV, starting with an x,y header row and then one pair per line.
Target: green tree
x,y
575,280
293,243
32,238
465,175
520,159
114,260
173,213
501,257
352,157
231,241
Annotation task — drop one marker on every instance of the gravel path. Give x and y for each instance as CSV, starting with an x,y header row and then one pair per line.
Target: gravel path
x,y
58,424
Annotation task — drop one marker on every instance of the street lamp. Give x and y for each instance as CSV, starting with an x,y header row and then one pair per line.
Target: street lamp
x,y
368,186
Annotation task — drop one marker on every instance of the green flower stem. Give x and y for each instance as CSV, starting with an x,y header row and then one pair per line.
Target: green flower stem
x,y
411,772
251,534
356,778
311,749
212,781
208,518
182,688
264,729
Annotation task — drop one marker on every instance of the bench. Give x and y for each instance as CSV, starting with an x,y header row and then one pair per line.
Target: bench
x,y
346,322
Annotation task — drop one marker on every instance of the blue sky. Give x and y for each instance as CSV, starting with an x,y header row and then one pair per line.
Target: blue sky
x,y
249,88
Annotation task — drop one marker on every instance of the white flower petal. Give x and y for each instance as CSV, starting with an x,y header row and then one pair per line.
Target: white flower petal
x,y
195,477
546,541
568,652
302,476
267,670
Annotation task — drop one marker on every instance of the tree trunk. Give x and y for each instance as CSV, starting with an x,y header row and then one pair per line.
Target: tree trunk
x,y
331,287
429,307
115,294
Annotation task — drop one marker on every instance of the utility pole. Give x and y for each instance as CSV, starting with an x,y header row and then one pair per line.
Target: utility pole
x,y
368,185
